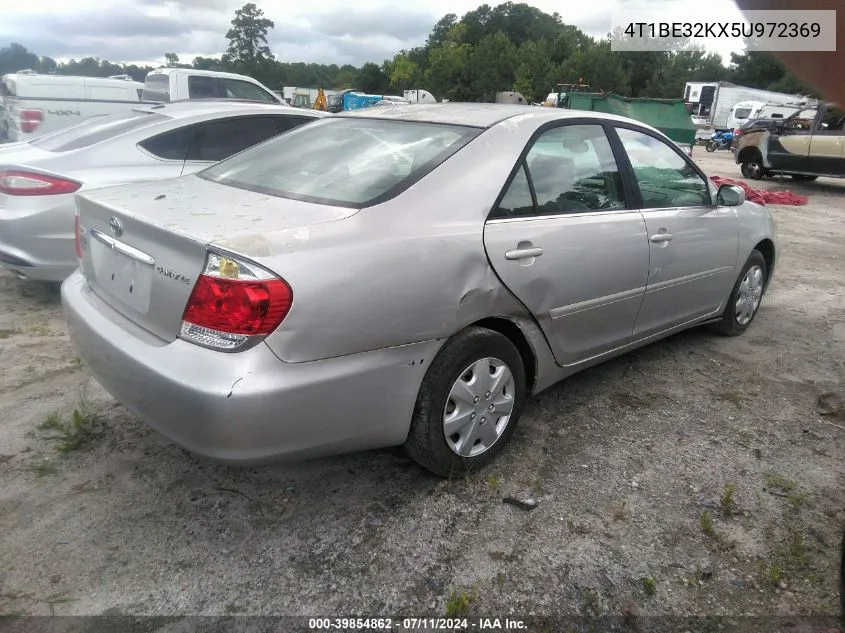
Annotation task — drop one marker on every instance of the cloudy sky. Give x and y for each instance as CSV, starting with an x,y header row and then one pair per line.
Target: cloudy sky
x,y
323,31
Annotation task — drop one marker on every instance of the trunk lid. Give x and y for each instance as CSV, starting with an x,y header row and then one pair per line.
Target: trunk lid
x,y
145,244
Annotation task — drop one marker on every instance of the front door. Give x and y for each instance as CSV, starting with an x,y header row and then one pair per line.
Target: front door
x,y
565,242
692,243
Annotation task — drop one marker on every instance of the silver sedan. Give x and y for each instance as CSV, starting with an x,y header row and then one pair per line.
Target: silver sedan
x,y
403,275
38,179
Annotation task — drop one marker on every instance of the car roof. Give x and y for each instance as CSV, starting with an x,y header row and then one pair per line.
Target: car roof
x,y
194,107
484,115
208,73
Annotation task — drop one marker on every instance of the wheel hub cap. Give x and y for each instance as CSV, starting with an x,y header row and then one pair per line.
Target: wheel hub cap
x,y
479,407
749,296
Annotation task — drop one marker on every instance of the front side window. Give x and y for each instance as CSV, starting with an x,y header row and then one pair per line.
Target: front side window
x,y
343,161
236,89
573,170
664,177
833,120
202,87
742,113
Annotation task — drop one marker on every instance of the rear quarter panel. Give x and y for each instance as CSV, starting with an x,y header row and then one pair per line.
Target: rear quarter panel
x,y
411,269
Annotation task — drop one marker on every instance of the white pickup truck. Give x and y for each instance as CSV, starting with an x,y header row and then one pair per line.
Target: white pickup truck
x,y
177,84
37,104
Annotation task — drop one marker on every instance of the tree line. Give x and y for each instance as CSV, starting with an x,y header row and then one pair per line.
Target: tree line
x,y
511,46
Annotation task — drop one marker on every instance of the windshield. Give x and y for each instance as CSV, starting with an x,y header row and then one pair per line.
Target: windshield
x,y
96,130
351,162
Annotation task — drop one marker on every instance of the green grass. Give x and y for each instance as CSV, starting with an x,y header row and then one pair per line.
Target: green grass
x,y
79,431
493,482
773,480
727,503
459,602
44,468
707,525
649,585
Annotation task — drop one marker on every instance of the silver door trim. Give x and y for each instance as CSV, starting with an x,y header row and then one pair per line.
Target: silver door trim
x,y
583,306
669,283
560,216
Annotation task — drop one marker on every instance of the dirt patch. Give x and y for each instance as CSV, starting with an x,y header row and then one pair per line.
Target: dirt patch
x,y
699,475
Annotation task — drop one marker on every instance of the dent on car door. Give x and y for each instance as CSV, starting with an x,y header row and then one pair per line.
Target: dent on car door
x,y
565,242
692,242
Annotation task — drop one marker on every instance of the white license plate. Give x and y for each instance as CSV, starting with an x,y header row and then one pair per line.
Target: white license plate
x,y
123,276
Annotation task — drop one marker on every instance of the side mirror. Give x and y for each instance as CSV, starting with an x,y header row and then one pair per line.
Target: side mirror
x,y
730,196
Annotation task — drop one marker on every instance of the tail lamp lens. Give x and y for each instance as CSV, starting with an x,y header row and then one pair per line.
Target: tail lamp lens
x,y
233,303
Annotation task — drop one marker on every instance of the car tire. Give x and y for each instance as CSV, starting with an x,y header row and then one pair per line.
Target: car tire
x,y
427,442
749,286
803,177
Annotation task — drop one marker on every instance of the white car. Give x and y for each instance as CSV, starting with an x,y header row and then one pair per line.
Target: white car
x,y
38,179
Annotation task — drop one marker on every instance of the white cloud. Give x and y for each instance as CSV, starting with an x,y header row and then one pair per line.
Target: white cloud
x,y
323,31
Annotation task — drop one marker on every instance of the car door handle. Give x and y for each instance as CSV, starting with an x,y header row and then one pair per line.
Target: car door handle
x,y
661,237
523,253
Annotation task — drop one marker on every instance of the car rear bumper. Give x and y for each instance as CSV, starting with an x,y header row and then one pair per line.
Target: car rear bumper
x,y
36,236
247,407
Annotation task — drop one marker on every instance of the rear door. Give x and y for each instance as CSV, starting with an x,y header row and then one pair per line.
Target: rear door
x,y
692,243
827,144
565,241
220,139
789,144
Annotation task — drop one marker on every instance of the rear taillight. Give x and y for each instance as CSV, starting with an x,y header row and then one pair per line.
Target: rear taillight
x,y
234,303
26,183
30,119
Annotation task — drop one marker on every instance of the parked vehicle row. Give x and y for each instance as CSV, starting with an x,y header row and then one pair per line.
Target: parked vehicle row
x,y
38,179
37,104
413,287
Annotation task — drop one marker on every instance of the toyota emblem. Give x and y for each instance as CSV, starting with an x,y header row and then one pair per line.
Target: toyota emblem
x,y
116,227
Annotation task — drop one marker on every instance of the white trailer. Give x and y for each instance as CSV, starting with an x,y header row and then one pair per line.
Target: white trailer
x,y
710,103
419,96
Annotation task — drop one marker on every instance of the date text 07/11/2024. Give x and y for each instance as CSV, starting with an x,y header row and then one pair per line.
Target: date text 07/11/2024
x,y
332,625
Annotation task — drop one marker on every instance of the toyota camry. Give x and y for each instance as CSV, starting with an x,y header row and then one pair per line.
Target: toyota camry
x,y
403,276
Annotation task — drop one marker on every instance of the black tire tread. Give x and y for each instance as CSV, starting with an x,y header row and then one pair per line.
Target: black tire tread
x,y
727,325
425,443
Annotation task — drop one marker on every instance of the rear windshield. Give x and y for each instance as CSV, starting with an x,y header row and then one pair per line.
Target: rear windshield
x,y
354,162
96,130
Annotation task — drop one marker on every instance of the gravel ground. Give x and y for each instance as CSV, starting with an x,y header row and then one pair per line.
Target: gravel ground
x,y
698,476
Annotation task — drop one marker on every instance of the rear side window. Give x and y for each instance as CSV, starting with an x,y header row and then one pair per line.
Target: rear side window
x,y
220,139
172,145
351,162
97,130
202,87
286,123
157,88
236,89
742,113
